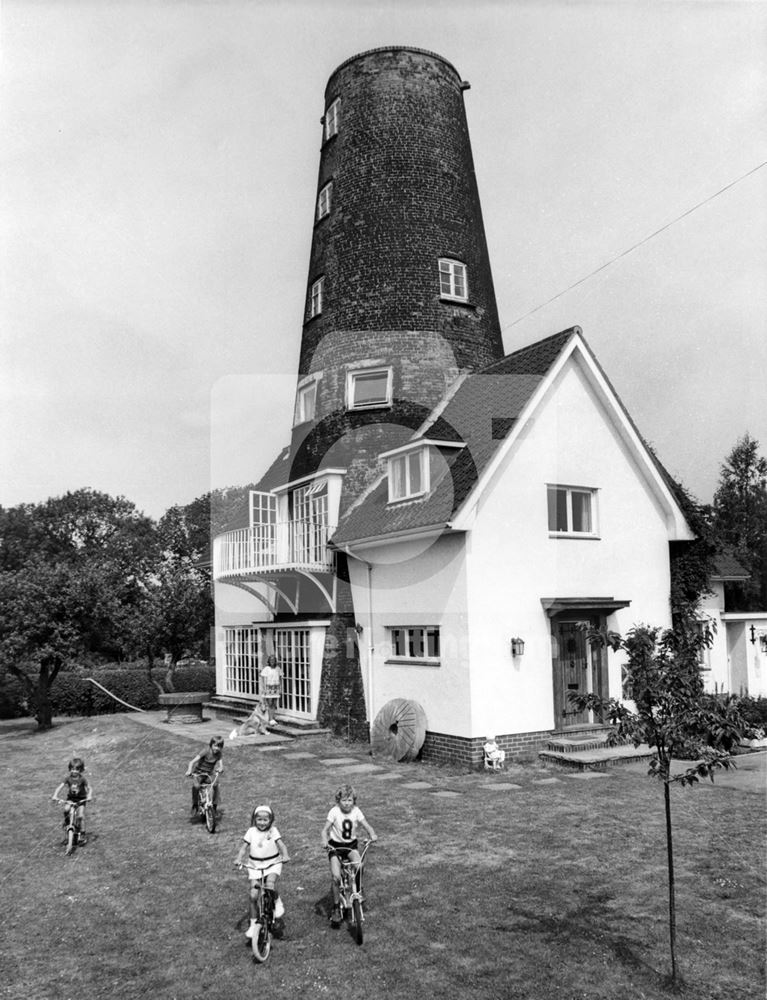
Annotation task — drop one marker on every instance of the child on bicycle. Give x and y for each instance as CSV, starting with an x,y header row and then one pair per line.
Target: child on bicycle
x,y
339,838
205,768
265,851
78,793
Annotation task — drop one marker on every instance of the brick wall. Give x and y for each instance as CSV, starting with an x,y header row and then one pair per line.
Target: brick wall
x,y
442,748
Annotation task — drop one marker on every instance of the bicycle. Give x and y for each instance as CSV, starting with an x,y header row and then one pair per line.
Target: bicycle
x,y
73,823
261,941
350,890
205,802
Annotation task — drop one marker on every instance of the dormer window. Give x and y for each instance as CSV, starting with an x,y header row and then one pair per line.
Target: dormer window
x,y
332,118
306,402
315,298
369,388
452,280
408,475
323,201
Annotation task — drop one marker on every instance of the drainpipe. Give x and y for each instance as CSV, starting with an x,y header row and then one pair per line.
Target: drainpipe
x,y
371,648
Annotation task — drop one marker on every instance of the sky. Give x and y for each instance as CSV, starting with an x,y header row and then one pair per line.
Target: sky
x,y
158,172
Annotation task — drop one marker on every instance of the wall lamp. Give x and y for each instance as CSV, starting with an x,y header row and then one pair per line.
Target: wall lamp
x,y
517,647
753,634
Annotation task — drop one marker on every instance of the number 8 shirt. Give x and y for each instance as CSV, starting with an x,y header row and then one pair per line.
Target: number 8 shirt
x,y
343,826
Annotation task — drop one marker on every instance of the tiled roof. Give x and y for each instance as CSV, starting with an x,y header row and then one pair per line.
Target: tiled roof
x,y
727,567
481,413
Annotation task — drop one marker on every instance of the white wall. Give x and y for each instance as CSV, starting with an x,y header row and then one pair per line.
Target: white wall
x,y
512,562
418,583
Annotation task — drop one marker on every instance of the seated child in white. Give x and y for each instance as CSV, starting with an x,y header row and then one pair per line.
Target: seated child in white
x,y
493,752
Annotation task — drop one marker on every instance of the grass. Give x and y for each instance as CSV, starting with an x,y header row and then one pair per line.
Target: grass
x,y
551,891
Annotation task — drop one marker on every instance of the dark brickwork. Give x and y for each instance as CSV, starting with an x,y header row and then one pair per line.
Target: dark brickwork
x,y
404,195
342,698
443,748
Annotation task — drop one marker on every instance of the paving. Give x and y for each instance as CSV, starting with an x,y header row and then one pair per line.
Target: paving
x,y
749,774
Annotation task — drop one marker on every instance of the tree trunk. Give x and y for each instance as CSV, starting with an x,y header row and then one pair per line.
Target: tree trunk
x,y
43,710
671,889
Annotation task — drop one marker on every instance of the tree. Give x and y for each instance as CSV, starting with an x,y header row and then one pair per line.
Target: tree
x,y
174,614
672,714
740,519
45,616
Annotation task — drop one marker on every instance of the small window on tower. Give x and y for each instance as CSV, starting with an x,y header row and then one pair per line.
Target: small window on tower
x,y
315,298
452,280
332,118
366,389
306,401
323,201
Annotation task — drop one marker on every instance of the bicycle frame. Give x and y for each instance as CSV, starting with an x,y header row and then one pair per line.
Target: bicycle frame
x,y
205,802
73,821
264,907
350,893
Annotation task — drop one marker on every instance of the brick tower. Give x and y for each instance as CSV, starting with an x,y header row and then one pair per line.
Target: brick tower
x,y
400,295
399,304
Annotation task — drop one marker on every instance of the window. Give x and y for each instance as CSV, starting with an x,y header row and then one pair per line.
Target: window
x,y
306,399
332,118
452,280
323,201
417,643
369,388
408,475
315,298
572,511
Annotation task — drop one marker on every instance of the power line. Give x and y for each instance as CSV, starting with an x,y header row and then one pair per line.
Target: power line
x,y
646,239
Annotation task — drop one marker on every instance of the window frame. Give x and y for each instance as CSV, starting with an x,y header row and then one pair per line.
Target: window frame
x,y
402,639
569,531
455,271
331,122
361,373
305,391
316,296
324,201
422,456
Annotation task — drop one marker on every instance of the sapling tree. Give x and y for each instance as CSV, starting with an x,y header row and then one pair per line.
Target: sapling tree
x,y
671,713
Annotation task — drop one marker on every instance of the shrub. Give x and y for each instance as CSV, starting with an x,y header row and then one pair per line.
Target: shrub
x,y
754,711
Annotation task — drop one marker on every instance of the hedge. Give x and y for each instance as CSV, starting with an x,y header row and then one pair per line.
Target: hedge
x,y
72,694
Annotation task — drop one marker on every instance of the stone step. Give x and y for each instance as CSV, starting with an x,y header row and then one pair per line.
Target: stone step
x,y
575,744
598,759
236,710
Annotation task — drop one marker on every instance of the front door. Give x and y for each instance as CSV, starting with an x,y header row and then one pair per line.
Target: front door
x,y
579,668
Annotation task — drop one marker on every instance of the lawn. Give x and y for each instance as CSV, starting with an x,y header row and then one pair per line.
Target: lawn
x,y
553,890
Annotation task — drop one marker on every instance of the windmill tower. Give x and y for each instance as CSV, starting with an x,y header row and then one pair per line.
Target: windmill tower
x,y
399,295
399,304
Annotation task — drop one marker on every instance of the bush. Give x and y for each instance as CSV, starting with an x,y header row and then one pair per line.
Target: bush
x,y
73,694
754,711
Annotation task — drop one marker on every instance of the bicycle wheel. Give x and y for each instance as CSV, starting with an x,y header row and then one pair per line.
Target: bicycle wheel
x,y
210,817
71,838
261,940
357,920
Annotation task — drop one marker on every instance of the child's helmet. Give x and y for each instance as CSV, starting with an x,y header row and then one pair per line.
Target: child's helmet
x,y
346,792
264,810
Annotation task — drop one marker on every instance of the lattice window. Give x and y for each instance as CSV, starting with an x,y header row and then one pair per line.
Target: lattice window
x,y
292,651
241,660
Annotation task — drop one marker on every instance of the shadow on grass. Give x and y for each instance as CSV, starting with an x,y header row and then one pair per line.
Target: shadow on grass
x,y
588,921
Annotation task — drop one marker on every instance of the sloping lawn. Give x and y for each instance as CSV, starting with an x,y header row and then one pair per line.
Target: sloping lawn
x,y
554,890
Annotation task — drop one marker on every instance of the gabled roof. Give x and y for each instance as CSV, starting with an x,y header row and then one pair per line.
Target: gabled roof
x,y
727,567
486,412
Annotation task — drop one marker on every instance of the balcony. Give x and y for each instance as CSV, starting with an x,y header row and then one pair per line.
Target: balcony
x,y
274,547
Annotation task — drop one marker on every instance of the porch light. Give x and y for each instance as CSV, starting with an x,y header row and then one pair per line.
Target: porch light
x,y
517,647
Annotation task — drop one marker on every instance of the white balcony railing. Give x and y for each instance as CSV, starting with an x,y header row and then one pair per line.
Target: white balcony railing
x,y
265,547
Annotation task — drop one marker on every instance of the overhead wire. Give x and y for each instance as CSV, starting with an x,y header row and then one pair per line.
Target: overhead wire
x,y
641,242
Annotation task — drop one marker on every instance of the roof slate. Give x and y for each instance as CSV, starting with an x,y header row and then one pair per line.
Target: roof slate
x,y
481,413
